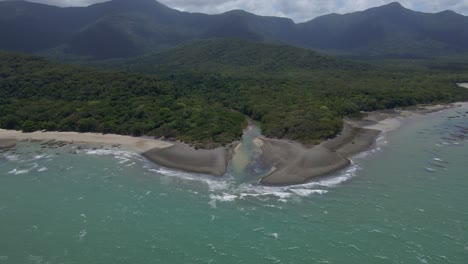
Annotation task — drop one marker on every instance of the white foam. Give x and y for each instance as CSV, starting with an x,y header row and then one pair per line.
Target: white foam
x,y
12,157
274,235
23,171
437,159
225,197
42,169
281,195
123,156
82,235
213,184
38,157
307,192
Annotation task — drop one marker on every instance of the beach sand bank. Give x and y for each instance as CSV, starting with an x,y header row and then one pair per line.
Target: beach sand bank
x,y
289,162
135,144
293,163
168,154
183,157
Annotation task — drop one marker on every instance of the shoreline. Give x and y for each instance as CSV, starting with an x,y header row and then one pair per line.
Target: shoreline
x,y
292,163
288,162
135,144
172,155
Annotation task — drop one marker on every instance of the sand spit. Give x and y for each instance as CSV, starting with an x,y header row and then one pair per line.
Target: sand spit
x,y
136,144
295,164
182,157
292,163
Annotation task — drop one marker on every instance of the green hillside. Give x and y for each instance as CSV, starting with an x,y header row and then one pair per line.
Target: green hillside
x,y
226,55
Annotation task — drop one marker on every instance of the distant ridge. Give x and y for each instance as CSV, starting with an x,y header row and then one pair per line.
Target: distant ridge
x,y
123,29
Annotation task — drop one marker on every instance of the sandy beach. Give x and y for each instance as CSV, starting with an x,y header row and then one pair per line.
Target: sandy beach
x,y
168,154
293,163
289,162
136,144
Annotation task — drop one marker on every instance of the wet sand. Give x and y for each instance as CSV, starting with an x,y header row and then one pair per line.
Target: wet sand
x,y
7,143
292,163
172,155
183,157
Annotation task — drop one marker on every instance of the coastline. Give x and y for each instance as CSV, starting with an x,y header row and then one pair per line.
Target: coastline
x,y
173,155
288,162
135,144
292,163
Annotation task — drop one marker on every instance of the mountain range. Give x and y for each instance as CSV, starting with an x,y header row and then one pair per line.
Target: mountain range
x,y
129,28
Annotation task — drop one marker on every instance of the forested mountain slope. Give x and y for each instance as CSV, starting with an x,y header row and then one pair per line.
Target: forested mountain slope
x,y
129,28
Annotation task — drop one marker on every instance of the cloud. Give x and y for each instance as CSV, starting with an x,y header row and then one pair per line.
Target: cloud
x,y
299,10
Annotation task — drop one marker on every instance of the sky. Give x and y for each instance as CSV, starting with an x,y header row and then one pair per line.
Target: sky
x,y
298,10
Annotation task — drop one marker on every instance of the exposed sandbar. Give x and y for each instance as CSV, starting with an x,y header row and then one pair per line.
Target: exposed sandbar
x,y
293,163
182,157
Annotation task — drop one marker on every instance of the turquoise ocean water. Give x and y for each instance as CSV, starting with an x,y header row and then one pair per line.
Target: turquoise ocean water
x,y
405,201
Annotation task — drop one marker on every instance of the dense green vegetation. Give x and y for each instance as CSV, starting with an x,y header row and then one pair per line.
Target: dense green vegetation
x,y
199,93
234,56
296,93
36,94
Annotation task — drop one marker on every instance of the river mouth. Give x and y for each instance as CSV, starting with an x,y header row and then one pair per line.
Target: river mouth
x,y
246,165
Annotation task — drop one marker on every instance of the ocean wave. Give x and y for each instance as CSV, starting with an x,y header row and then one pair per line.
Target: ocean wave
x,y
123,157
226,189
42,169
307,192
18,171
11,157
213,184
225,197
120,154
